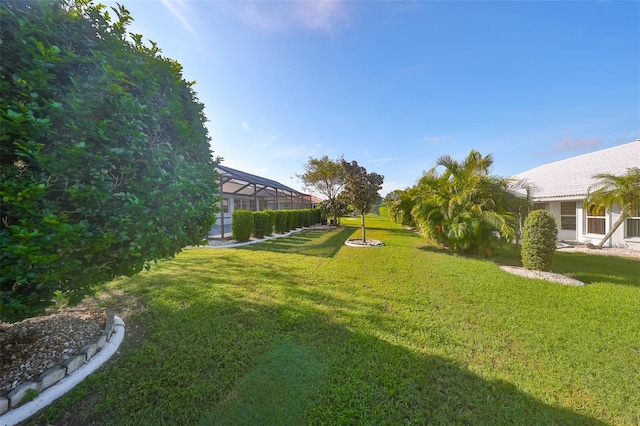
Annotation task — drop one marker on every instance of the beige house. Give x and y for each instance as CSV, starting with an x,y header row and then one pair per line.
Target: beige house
x,y
563,185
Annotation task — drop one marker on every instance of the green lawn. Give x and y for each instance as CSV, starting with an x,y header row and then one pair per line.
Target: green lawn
x,y
305,330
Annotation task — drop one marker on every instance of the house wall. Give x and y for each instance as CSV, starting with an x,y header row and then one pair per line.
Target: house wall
x,y
580,234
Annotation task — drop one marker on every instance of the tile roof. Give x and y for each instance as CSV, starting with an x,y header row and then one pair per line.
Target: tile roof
x,y
573,177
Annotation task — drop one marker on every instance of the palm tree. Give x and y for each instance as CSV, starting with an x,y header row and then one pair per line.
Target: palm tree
x,y
610,189
463,206
401,207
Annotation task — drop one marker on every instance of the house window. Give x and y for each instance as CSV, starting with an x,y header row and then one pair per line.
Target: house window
x,y
539,206
225,205
632,224
595,220
633,227
568,216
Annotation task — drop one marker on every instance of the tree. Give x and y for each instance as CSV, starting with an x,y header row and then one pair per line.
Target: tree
x,y
622,190
463,207
361,190
401,204
327,178
105,159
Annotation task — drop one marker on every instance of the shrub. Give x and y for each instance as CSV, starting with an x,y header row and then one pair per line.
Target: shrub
x,y
290,219
260,224
242,225
296,219
539,236
105,157
281,221
306,217
271,223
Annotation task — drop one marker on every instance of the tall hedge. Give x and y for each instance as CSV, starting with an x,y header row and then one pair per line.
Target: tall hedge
x,y
271,215
242,225
261,224
281,221
291,220
539,236
105,157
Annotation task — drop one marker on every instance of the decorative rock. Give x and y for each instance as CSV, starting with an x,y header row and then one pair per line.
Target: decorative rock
x,y
4,404
108,329
73,363
51,376
17,395
89,350
100,341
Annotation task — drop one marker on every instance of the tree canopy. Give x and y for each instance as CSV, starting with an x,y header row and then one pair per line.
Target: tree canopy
x,y
326,177
460,205
361,189
105,158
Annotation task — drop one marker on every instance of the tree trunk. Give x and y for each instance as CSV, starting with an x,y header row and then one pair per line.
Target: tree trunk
x,y
364,231
615,226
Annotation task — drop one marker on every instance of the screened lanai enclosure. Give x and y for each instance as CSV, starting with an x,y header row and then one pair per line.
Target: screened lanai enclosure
x,y
244,191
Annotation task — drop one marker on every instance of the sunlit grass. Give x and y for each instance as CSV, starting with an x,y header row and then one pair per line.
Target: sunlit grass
x,y
399,334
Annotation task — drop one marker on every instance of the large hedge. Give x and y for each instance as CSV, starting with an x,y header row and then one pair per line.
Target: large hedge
x,y
261,224
281,221
105,158
242,225
539,237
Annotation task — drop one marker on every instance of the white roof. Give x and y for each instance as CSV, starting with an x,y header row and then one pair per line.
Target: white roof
x,y
571,178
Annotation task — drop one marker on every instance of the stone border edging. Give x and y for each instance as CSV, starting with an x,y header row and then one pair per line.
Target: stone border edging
x,y
57,381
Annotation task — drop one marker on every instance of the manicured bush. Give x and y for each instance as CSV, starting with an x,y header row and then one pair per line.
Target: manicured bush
x,y
296,219
281,221
539,236
260,224
271,215
242,225
290,220
105,158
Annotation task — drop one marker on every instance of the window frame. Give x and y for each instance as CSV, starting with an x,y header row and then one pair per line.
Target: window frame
x,y
594,213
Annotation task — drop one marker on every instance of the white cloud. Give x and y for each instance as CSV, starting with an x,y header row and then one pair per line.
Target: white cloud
x,y
580,145
179,9
383,160
323,15
296,151
568,144
437,139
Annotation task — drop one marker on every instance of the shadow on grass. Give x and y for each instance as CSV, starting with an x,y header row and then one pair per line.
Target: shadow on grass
x,y
238,363
308,243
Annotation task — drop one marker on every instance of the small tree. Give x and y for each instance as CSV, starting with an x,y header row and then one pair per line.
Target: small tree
x,y
327,178
361,190
539,240
611,189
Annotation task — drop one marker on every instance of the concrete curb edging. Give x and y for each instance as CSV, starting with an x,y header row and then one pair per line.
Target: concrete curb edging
x,y
53,384
286,234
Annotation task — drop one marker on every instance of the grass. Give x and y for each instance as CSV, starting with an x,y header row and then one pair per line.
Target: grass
x,y
304,330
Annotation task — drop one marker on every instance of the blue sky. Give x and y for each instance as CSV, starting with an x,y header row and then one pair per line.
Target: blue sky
x,y
395,85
